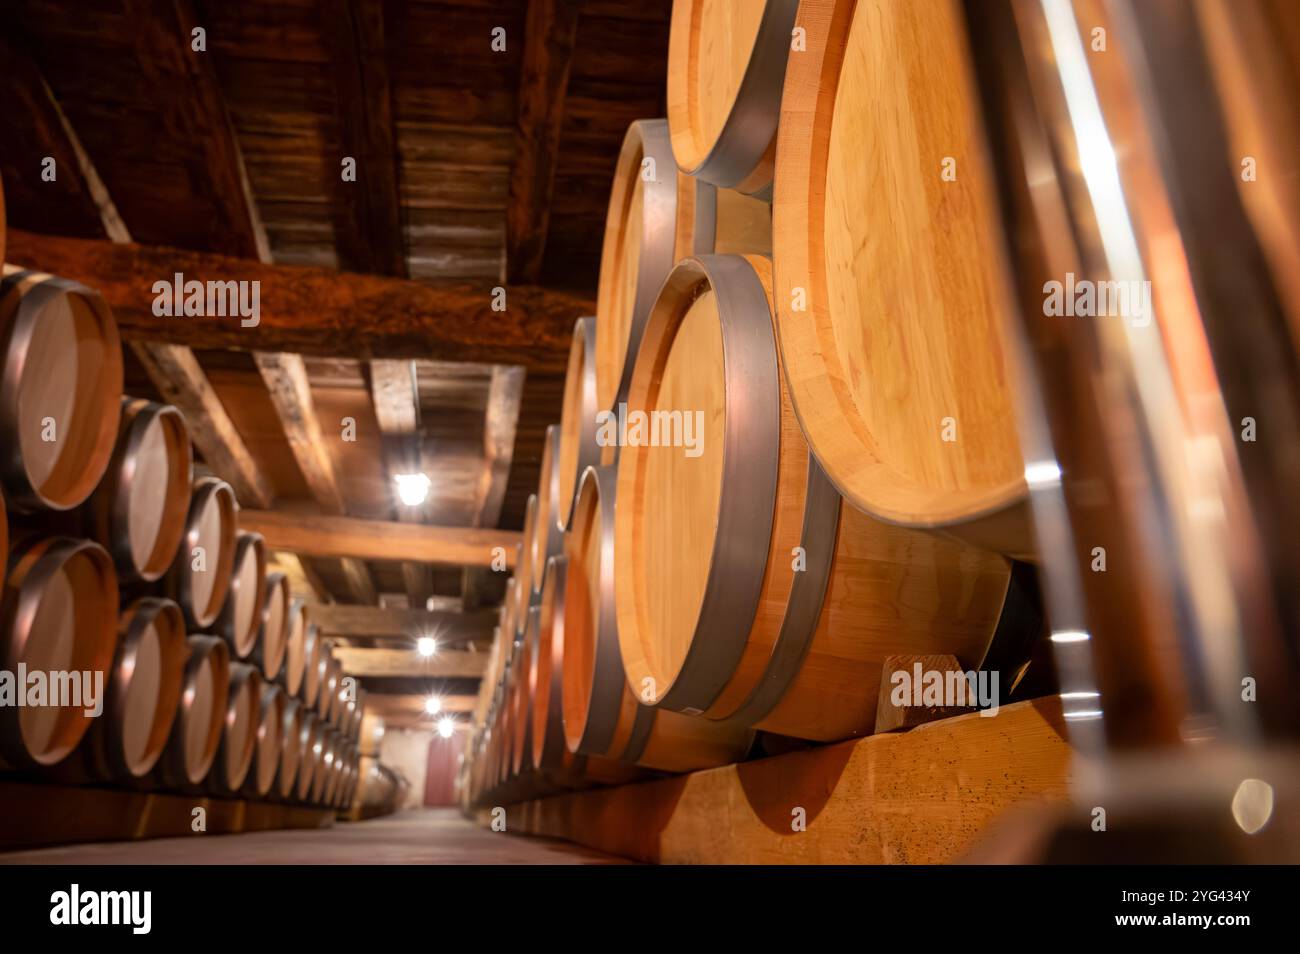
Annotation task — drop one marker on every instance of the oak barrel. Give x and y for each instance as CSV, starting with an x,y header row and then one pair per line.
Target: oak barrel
x,y
296,649
240,619
746,589
58,615
138,511
276,620
197,729
726,67
545,540
291,746
601,715
144,688
239,724
267,741
309,736
199,578
892,303
60,387
578,449
549,754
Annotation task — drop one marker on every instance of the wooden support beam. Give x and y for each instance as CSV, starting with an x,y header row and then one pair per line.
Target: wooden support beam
x,y
179,379
193,110
550,31
377,539
372,237
501,420
394,393
285,377
920,797
360,622
303,579
448,664
394,707
317,311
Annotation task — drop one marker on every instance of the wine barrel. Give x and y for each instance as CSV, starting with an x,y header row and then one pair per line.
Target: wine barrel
x,y
58,402
197,729
310,736
746,589
328,683
637,251
313,665
294,667
200,575
546,538
892,305
578,448
138,511
506,619
144,688
521,742
549,754
58,614
4,540
324,765
524,568
291,747
240,619
267,741
239,725
726,68
275,621
601,715
372,732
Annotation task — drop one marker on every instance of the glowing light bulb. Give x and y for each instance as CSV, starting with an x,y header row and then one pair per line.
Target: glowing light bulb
x,y
426,645
446,726
413,489
433,705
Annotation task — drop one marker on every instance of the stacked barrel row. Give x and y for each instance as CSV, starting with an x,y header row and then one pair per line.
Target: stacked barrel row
x,y
788,446
195,670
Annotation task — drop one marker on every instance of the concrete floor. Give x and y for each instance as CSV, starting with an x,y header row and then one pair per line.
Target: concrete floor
x,y
432,836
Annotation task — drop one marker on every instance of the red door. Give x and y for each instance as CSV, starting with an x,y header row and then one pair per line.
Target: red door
x,y
440,776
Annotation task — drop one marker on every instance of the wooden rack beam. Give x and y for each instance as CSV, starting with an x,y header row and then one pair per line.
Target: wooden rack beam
x,y
353,622
919,797
445,664
316,535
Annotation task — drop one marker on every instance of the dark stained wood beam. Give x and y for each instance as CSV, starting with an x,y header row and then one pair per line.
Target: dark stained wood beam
x,y
313,535
372,238
317,311
192,109
403,708
550,31
372,621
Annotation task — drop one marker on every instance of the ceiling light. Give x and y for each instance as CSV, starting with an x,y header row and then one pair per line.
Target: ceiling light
x,y
433,705
413,489
426,645
446,726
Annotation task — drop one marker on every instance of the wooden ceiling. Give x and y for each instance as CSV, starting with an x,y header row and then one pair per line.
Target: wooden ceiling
x,y
474,167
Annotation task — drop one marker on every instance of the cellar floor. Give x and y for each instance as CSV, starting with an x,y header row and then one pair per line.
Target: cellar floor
x,y
433,836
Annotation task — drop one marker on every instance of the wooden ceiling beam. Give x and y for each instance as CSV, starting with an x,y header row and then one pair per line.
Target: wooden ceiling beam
x,y
314,535
372,239
374,621
401,707
451,663
501,421
550,32
394,395
317,311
